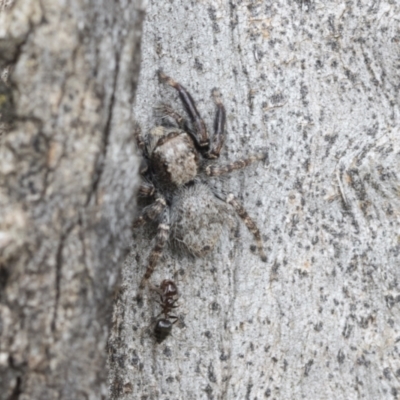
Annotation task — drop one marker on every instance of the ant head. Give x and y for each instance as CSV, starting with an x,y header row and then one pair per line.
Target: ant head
x,y
168,288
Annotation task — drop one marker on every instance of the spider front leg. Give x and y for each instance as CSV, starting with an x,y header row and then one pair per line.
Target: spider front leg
x,y
218,138
161,240
250,224
140,141
200,131
164,110
146,189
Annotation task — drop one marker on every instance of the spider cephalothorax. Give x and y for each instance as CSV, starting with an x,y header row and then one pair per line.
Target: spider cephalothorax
x,y
177,164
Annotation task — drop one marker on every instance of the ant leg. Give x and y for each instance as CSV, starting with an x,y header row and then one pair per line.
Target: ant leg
x,y
200,132
219,127
157,290
250,224
169,303
151,212
161,239
173,305
216,170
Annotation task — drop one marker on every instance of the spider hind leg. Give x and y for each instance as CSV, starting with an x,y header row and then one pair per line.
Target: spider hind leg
x,y
161,240
250,224
151,212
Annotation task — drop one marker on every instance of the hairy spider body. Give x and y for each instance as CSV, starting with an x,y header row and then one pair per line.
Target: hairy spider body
x,y
178,163
197,207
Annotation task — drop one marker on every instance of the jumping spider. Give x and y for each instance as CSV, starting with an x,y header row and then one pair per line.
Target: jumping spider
x,y
176,167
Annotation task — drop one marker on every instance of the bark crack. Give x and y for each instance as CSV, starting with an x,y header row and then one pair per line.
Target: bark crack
x,y
17,390
102,156
59,261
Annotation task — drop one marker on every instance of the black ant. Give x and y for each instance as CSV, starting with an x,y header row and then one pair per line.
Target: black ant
x,y
168,295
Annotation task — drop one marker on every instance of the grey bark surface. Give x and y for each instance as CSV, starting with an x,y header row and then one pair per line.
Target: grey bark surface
x,y
68,179
317,84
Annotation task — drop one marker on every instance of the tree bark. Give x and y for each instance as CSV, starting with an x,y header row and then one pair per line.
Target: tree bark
x,y
317,84
68,178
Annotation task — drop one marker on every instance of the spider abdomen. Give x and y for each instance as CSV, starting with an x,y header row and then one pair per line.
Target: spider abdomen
x,y
197,219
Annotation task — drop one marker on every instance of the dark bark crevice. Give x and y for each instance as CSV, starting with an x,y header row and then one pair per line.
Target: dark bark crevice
x,y
102,156
58,267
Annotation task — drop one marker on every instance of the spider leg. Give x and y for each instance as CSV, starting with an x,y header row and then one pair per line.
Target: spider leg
x,y
161,239
200,132
164,111
151,212
250,224
146,189
144,166
216,170
140,141
219,127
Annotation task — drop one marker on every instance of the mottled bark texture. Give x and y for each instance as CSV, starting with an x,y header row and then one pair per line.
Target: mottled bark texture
x,y
317,82
68,178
